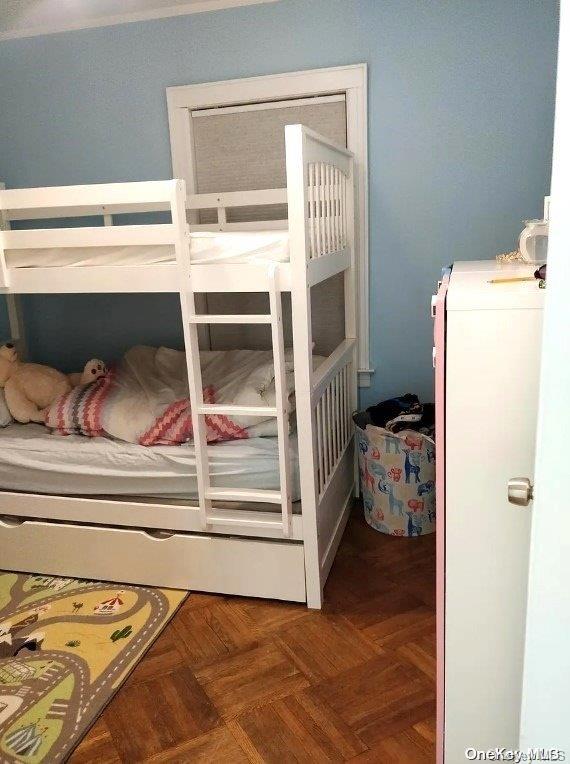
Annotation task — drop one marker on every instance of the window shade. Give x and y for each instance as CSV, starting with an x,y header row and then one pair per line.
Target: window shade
x,y
245,150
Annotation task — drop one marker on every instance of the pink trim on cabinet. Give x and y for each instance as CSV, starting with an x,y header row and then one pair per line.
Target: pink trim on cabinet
x,y
439,341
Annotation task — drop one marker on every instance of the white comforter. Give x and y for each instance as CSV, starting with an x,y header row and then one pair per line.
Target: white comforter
x,y
145,399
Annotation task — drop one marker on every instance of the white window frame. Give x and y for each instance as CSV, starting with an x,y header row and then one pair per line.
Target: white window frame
x,y
350,80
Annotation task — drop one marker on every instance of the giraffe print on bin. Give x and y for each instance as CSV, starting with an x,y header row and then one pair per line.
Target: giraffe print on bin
x,y
401,501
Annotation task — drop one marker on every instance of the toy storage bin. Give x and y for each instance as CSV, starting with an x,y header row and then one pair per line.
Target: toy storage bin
x,y
397,480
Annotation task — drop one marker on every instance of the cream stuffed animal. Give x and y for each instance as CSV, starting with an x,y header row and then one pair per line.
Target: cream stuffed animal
x,y
94,369
31,388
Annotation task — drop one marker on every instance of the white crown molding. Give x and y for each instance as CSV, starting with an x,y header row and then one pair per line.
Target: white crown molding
x,y
199,6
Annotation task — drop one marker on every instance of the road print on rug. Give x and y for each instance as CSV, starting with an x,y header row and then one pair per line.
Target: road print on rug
x,y
66,646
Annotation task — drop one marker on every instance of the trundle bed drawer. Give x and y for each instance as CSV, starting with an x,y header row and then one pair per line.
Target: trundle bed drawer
x,y
249,567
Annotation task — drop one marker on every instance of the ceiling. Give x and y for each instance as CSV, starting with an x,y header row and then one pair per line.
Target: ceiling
x,y
25,18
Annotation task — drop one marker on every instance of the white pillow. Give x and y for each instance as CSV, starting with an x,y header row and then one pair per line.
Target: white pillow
x,y
5,416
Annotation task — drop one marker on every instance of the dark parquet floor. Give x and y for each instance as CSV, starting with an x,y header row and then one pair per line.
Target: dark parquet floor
x,y
243,680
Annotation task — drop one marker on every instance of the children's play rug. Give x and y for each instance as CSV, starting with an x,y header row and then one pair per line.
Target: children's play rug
x,y
66,646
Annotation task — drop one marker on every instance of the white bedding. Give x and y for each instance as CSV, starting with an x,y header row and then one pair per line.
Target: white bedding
x,y
32,460
205,247
144,400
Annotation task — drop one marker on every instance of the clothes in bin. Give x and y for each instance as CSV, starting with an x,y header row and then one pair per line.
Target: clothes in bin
x,y
397,469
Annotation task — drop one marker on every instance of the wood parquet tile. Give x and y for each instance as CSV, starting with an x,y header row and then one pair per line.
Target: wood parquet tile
x,y
209,634
352,582
236,680
379,698
296,728
151,716
323,646
268,617
427,729
251,679
218,745
162,658
97,746
421,652
408,747
394,618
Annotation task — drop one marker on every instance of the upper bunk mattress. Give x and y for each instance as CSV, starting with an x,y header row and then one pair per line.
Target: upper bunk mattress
x,y
34,461
205,247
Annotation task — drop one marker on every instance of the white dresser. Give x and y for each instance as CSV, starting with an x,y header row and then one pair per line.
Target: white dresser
x,y
487,367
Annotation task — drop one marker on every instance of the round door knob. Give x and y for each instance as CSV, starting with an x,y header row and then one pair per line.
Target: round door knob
x,y
520,491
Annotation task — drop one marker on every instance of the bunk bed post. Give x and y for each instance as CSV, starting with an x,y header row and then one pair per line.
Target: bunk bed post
x,y
350,301
16,323
13,301
297,201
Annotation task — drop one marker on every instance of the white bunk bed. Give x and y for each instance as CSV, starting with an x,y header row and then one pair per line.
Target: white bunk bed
x,y
247,541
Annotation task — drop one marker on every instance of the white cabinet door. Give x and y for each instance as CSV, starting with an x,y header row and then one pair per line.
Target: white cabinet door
x,y
491,394
544,719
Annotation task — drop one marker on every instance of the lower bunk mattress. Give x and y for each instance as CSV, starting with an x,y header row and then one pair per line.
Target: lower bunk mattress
x,y
34,461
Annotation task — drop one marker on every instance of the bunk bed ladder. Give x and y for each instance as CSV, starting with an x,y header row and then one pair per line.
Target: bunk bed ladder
x,y
201,409
192,346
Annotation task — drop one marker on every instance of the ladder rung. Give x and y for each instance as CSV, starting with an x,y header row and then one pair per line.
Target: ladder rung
x,y
252,318
229,409
244,494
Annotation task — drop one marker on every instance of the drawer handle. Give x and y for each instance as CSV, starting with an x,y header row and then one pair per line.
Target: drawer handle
x,y
159,535
9,521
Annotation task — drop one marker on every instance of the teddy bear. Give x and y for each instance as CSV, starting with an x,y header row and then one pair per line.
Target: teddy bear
x,y
94,370
31,388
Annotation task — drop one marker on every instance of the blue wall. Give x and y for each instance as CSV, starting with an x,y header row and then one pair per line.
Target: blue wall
x,y
460,130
